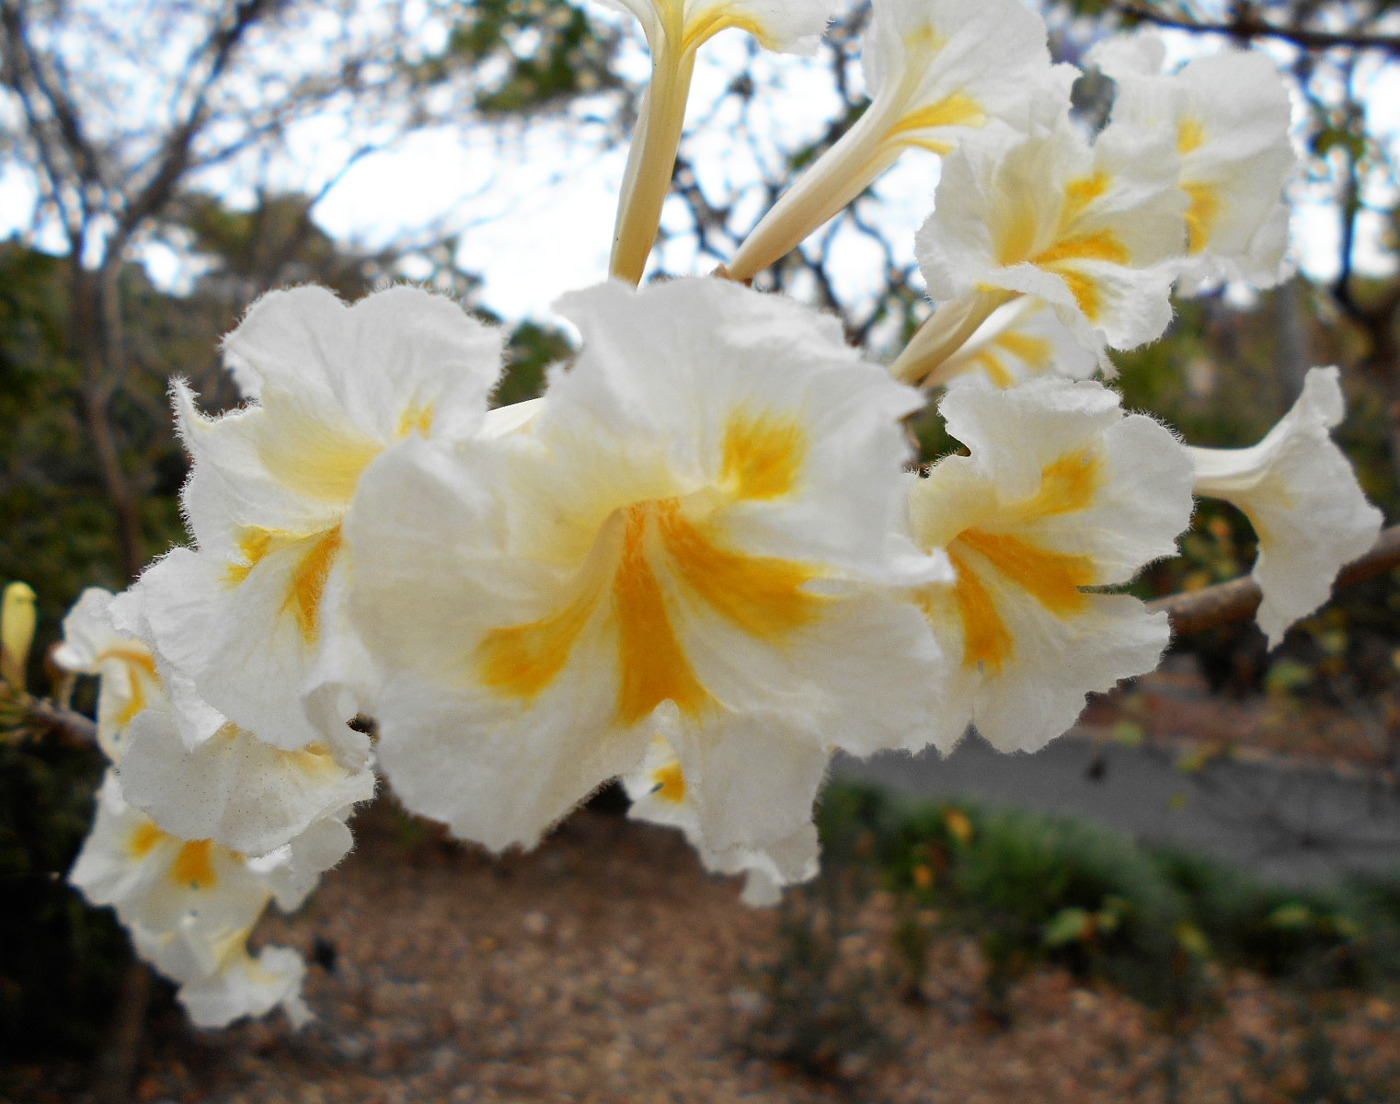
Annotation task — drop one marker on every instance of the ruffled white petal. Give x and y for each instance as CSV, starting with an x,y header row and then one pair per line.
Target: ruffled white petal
x,y
1302,497
1061,493
235,788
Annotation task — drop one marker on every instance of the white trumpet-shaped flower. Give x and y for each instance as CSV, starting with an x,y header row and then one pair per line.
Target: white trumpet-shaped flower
x,y
1062,494
675,30
1302,498
253,615
127,669
1084,228
1229,113
690,525
935,72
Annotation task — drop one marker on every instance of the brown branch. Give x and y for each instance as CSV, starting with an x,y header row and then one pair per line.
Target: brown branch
x,y
69,727
1249,27
1197,610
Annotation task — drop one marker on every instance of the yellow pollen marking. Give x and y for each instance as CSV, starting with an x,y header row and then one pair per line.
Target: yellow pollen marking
x,y
416,419
522,660
1190,135
1051,578
136,704
194,866
1080,193
1067,484
760,594
763,455
320,461
670,783
987,642
1201,215
254,543
308,584
654,666
954,110
1101,246
144,840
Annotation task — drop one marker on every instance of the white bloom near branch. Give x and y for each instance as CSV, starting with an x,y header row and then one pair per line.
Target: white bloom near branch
x,y
695,521
1229,114
935,72
1302,498
1084,228
127,669
253,615
1062,493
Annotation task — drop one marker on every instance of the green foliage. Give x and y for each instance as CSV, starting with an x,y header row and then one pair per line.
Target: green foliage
x,y
528,56
60,961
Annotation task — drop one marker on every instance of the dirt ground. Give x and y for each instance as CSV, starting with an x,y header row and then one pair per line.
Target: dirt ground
x,y
608,967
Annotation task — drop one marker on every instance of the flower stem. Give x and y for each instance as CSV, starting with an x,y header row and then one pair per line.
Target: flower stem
x,y
650,163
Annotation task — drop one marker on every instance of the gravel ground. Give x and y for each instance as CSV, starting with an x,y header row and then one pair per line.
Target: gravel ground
x,y
607,967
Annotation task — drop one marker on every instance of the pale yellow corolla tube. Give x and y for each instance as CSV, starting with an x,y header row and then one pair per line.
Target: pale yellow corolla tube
x,y
935,72
675,30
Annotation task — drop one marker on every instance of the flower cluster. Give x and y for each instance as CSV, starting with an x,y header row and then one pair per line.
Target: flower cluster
x,y
703,561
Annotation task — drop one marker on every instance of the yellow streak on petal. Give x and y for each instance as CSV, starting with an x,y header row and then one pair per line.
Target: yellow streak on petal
x,y
254,543
308,584
1036,352
1201,215
670,783
763,454
1067,484
719,19
991,363
760,594
1101,246
521,660
987,642
1190,135
194,866
319,461
1052,578
654,666
954,110
144,839
416,419
1081,192
137,702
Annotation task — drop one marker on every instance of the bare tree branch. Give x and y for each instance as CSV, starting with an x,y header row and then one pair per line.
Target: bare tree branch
x,y
1246,26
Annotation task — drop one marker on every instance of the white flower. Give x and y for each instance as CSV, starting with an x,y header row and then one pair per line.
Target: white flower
x,y
1084,228
935,72
127,669
220,982
1302,498
690,524
1229,113
233,787
1062,494
1020,341
156,880
254,615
